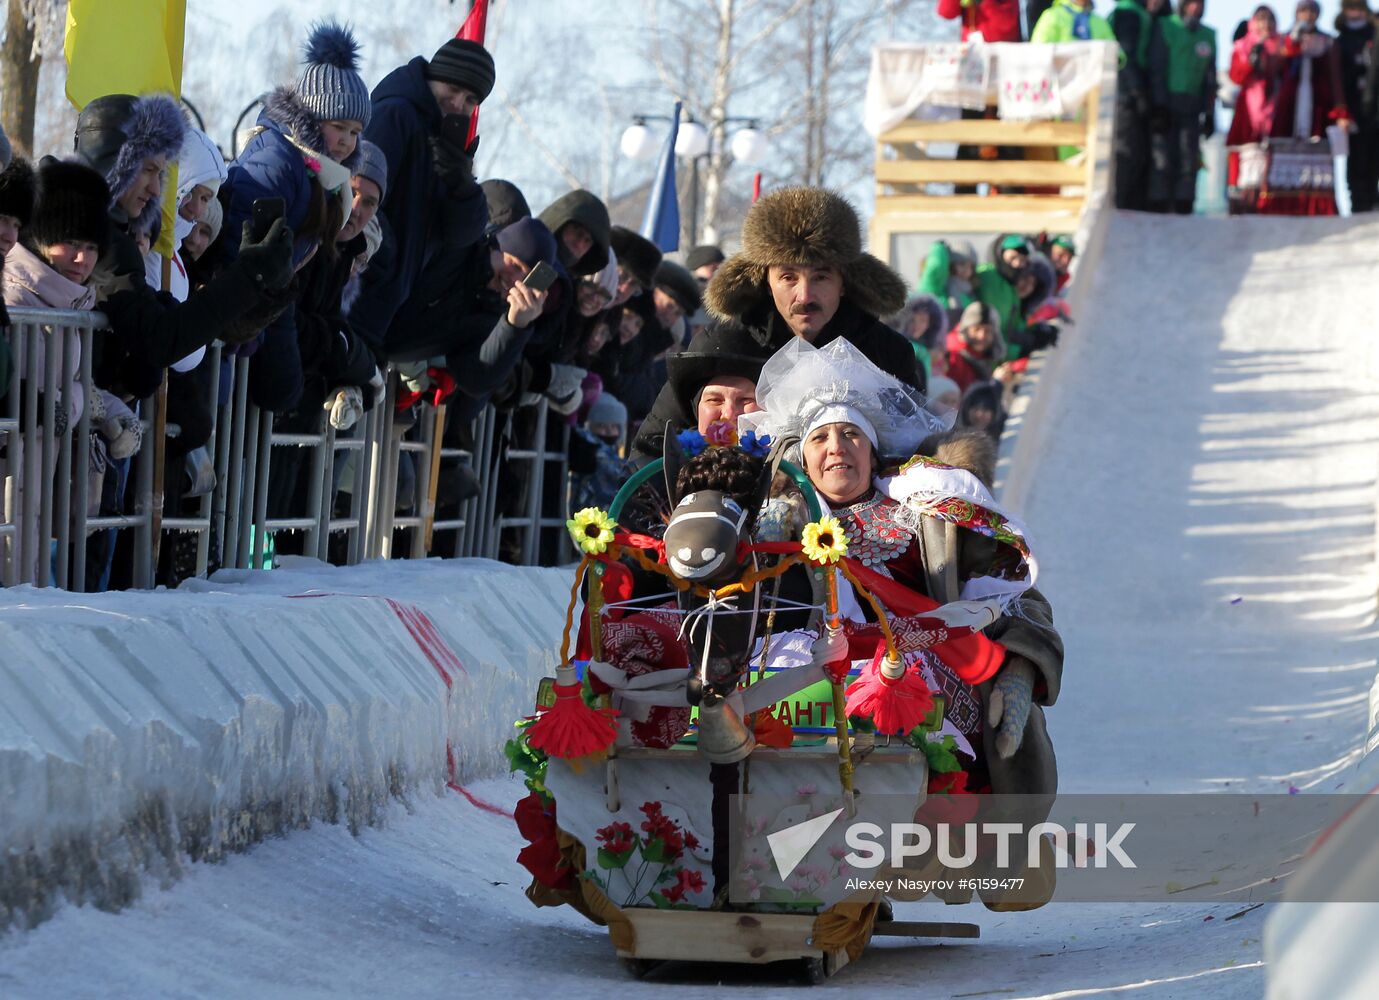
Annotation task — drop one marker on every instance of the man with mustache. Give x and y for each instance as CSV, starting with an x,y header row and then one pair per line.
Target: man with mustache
x,y
801,273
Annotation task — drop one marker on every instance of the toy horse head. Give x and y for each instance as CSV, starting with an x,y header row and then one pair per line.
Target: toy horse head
x,y
704,544
703,535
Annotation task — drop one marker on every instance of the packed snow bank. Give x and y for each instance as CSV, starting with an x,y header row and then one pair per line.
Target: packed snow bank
x,y
141,729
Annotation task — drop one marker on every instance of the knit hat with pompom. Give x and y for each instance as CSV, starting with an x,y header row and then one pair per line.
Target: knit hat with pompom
x,y
331,87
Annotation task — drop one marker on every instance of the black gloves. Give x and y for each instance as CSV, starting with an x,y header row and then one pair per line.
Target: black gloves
x,y
1041,335
269,263
1257,55
1208,124
453,162
271,305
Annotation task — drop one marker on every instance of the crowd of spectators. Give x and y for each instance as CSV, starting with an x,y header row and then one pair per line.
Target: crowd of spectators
x,y
349,238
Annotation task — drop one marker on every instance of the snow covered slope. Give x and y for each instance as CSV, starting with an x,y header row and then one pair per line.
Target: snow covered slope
x,y
1199,473
1200,482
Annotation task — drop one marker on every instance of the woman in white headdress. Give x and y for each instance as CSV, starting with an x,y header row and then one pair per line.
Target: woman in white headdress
x,y
933,529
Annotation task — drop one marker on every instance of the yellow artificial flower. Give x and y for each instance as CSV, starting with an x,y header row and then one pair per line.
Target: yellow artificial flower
x,y
824,541
592,530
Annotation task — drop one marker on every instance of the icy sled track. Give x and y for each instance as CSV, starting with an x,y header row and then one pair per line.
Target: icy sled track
x,y
1199,473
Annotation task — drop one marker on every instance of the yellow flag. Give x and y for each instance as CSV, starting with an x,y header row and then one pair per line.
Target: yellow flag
x,y
127,47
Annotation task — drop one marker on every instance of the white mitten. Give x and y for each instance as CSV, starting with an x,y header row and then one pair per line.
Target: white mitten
x,y
413,375
1008,707
123,434
346,407
566,389
96,403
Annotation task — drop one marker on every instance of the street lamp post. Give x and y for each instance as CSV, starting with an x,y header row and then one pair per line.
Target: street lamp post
x,y
693,143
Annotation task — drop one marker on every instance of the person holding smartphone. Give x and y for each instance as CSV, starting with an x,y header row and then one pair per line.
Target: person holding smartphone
x,y
471,340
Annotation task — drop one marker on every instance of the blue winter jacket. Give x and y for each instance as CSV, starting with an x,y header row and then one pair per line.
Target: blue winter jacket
x,y
405,117
270,166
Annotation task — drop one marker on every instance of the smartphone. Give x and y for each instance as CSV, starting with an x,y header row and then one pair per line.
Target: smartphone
x,y
455,131
541,278
266,211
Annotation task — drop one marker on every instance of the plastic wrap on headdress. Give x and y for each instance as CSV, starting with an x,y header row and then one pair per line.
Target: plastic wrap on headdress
x,y
800,379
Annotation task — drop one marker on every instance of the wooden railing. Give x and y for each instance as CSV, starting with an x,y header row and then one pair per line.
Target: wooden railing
x,y
1038,192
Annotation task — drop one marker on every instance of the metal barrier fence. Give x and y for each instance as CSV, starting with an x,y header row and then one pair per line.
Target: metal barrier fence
x,y
50,502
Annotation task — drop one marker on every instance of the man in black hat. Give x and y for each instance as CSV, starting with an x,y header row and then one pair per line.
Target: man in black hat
x,y
703,261
434,208
638,259
714,378
676,295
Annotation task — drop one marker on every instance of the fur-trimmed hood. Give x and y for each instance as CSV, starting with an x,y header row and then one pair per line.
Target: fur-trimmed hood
x,y
284,112
809,226
938,320
116,133
964,448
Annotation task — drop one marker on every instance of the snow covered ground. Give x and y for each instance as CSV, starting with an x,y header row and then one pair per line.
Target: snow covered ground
x,y
1205,516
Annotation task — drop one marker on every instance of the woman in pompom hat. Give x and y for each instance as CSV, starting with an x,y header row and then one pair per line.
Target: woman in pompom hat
x,y
302,150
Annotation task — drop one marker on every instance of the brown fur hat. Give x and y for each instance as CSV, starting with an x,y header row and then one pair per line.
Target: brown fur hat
x,y
968,449
809,226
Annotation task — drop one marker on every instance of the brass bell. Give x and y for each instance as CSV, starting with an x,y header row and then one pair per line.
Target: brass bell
x,y
723,737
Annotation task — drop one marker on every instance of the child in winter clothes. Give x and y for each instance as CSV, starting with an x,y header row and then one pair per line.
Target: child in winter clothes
x,y
983,408
596,455
975,349
50,268
996,281
1060,250
302,150
923,323
947,274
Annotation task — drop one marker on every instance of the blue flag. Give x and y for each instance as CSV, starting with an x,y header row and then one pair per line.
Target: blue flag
x,y
661,224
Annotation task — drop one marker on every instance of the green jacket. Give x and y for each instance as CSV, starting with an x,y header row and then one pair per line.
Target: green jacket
x,y
999,294
1057,24
933,279
1183,62
1138,27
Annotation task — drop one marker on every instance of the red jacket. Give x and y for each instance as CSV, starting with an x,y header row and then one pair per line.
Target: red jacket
x,y
963,368
1268,94
996,20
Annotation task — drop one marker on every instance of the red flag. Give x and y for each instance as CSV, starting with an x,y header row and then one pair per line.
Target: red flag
x,y
473,29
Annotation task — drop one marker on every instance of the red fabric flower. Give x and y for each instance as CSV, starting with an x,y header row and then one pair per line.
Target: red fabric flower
x,y
534,821
685,881
617,838
542,856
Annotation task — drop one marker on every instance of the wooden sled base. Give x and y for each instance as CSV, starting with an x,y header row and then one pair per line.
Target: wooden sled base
x,y
754,939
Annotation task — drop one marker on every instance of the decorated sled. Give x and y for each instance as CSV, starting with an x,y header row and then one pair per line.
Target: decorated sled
x,y
667,711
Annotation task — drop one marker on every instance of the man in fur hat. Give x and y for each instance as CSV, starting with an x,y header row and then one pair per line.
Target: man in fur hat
x,y
801,273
